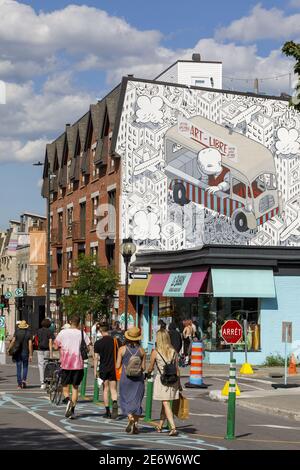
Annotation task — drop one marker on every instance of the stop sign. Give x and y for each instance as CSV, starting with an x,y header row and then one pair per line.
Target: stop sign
x,y
232,332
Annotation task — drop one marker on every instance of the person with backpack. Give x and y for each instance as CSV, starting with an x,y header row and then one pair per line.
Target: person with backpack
x,y
104,349
44,340
132,359
167,380
21,351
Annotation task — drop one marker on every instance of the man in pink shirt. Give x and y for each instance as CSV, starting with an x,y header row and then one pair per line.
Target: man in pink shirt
x,y
69,341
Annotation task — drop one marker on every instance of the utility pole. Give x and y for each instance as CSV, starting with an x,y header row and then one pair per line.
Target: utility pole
x,y
256,86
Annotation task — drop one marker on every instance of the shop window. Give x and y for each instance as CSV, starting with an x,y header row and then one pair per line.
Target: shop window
x,y
209,314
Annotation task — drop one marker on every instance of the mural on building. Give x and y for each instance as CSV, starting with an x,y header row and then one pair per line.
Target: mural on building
x,y
205,167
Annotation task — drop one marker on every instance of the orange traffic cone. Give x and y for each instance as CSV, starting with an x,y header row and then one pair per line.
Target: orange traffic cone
x,y
292,366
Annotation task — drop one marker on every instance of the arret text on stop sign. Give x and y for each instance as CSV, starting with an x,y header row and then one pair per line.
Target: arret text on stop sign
x,y
232,332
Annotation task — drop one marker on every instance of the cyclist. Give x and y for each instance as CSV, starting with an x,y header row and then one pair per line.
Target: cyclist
x,y
69,341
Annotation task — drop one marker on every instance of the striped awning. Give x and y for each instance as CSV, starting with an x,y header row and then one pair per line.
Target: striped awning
x,y
139,286
174,284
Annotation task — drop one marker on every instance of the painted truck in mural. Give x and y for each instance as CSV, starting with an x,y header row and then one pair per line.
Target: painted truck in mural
x,y
222,170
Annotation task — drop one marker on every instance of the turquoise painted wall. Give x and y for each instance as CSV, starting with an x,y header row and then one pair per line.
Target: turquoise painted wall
x,y
285,307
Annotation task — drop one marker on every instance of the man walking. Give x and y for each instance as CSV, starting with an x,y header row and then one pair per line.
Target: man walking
x,y
104,351
45,340
69,341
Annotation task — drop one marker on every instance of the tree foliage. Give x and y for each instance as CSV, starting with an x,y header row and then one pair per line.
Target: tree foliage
x,y
92,290
291,49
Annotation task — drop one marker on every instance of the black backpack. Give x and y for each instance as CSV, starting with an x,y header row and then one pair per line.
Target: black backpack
x,y
169,376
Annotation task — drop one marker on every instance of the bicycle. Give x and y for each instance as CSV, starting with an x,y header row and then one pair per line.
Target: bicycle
x,y
55,388
53,380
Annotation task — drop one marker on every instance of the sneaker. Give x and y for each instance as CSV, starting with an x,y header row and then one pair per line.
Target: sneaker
x,y
114,413
43,387
24,384
20,387
69,407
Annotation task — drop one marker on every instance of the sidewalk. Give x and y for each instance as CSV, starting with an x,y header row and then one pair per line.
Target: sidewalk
x,y
280,401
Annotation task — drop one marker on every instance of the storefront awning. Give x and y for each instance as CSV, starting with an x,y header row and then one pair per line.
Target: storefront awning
x,y
139,286
243,283
195,284
157,284
176,284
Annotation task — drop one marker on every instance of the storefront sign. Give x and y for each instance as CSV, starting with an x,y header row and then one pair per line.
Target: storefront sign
x,y
176,284
206,139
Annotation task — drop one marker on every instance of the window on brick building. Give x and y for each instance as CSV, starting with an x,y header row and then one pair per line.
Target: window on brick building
x,y
69,221
69,264
95,204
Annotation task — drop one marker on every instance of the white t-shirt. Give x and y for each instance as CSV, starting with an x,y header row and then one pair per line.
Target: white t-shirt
x,y
69,343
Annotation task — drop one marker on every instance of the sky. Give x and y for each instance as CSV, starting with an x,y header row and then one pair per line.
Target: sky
x,y
57,57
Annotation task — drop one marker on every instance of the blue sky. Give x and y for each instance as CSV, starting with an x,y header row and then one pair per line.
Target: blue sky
x,y
57,57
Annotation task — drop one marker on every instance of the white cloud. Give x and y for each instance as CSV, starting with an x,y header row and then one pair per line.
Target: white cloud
x,y
262,24
295,3
11,150
77,30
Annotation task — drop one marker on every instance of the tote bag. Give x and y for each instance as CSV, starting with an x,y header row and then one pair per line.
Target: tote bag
x,y
181,408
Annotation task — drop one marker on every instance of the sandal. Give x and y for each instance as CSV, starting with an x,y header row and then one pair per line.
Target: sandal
x,y
158,429
130,426
173,432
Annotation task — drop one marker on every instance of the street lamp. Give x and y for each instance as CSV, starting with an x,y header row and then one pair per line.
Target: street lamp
x,y
128,249
50,176
2,277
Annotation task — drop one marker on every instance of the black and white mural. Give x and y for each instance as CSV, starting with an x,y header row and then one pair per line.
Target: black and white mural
x,y
202,167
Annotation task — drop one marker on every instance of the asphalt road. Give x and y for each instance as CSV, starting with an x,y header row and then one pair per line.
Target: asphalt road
x,y
29,421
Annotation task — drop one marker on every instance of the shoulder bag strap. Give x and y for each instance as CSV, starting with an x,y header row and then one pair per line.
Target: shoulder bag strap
x,y
162,357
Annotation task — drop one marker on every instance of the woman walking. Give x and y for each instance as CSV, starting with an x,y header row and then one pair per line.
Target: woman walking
x,y
21,344
167,382
132,358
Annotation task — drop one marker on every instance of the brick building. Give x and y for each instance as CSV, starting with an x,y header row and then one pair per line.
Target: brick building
x,y
83,196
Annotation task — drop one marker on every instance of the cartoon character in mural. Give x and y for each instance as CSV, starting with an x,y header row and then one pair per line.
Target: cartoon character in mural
x,y
224,171
211,171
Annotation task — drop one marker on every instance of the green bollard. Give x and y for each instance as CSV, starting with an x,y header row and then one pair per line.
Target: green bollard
x,y
96,392
149,399
83,383
231,402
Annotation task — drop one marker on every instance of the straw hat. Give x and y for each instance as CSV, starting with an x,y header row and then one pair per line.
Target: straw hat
x,y
23,325
133,334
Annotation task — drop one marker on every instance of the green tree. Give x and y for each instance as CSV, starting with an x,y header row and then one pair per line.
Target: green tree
x,y
291,49
92,290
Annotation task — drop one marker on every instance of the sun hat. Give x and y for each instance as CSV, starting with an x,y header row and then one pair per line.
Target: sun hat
x,y
133,334
23,325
